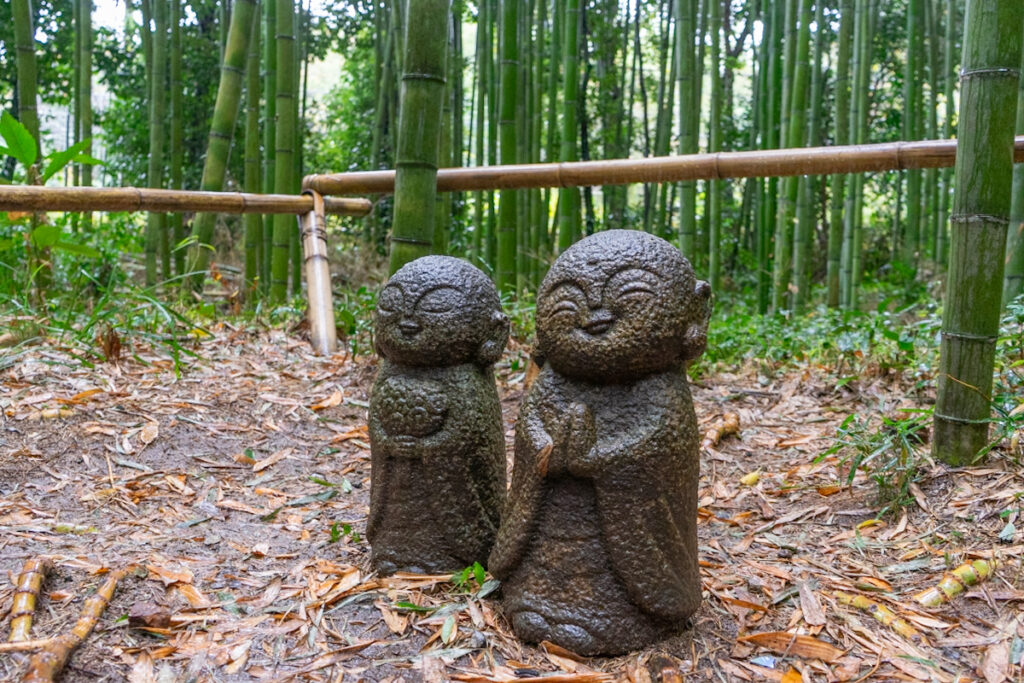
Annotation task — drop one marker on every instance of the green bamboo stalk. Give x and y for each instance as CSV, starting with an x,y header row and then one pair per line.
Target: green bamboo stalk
x,y
269,129
84,95
176,157
222,128
949,71
442,201
842,137
984,167
715,145
298,59
481,71
689,119
911,246
419,124
931,175
763,138
385,93
805,199
1013,283
569,198
797,116
253,221
157,240
284,147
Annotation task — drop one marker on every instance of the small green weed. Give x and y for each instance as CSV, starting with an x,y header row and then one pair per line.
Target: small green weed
x,y
891,454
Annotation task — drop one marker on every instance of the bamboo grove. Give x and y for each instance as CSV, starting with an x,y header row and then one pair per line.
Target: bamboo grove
x,y
603,79
534,81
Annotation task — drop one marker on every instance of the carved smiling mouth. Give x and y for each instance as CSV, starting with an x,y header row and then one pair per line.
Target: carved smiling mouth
x,y
598,327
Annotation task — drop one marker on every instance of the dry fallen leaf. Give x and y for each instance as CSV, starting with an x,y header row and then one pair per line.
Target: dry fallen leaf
x,y
794,644
331,401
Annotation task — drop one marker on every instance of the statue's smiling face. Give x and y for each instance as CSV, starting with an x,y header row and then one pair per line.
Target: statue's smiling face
x,y
435,311
413,320
616,306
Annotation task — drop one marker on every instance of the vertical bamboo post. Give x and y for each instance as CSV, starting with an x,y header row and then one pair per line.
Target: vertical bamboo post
x,y
981,207
313,231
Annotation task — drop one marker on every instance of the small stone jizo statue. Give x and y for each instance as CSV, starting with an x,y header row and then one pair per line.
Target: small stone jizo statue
x,y
597,551
436,436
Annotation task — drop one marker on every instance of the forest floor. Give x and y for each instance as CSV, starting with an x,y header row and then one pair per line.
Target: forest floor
x,y
238,491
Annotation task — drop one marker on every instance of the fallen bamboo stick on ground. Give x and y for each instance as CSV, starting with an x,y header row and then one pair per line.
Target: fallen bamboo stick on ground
x,y
30,581
49,660
773,163
31,198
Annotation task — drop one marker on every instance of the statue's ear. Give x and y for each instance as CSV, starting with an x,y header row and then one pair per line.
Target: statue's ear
x,y
697,333
494,341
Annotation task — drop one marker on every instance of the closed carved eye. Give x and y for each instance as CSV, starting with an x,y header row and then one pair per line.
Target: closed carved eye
x,y
565,306
390,300
635,290
440,300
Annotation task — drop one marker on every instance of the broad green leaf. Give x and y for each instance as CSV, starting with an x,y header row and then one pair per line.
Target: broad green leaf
x,y
46,235
5,152
84,158
80,249
59,160
6,245
20,143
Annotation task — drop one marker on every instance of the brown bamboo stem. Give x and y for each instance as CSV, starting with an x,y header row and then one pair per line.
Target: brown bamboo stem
x,y
25,595
31,198
25,645
313,230
889,156
47,663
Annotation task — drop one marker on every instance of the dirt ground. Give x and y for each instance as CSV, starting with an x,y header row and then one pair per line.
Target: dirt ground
x,y
238,494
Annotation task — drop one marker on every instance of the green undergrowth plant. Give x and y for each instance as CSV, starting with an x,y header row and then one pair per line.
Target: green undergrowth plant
x,y
889,338
892,452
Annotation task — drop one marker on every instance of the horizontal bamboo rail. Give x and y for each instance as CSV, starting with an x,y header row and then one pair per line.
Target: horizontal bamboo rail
x,y
890,156
37,199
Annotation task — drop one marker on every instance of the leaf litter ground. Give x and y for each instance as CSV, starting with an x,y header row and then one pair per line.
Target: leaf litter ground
x,y
238,492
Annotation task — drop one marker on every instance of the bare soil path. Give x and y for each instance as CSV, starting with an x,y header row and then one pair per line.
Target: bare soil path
x,y
239,490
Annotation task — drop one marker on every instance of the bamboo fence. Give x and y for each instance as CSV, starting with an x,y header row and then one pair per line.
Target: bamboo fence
x,y
38,199
890,156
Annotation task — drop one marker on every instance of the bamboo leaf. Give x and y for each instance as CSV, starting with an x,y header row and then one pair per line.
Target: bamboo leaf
x,y
20,143
58,160
79,249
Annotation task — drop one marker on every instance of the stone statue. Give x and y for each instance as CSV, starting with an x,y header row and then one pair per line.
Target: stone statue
x,y
597,551
436,438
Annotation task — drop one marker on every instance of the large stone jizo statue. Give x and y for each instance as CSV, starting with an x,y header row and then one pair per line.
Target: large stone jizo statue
x,y
436,437
597,550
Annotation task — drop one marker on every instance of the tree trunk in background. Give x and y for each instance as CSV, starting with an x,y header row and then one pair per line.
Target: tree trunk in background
x,y
269,130
419,132
1014,280
253,221
284,147
569,197
157,242
842,137
984,168
222,129
507,203
177,152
